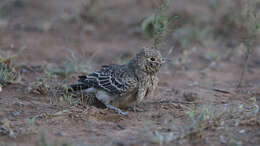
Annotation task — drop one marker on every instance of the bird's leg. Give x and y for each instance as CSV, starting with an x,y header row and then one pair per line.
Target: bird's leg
x,y
117,110
105,98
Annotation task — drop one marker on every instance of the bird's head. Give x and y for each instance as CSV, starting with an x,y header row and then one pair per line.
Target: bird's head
x,y
148,60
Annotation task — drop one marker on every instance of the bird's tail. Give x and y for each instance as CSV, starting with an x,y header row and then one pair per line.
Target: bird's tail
x,y
76,87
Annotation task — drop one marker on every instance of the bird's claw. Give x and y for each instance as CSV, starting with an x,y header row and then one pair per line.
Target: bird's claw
x,y
121,113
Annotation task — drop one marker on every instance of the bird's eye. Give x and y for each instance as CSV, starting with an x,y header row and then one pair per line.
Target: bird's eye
x,y
152,59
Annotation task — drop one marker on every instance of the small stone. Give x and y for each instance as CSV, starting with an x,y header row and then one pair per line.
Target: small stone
x,y
61,134
23,70
242,131
222,139
3,130
223,101
11,134
91,130
15,113
19,104
190,96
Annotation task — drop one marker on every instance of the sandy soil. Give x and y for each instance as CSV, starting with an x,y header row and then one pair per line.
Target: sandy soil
x,y
44,33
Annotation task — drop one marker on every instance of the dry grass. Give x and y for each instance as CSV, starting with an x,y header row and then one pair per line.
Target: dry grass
x,y
8,73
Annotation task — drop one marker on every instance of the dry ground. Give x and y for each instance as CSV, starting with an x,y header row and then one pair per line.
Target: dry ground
x,y
197,102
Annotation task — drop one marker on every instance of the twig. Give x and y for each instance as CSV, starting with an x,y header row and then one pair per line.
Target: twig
x,y
215,89
252,28
221,91
244,68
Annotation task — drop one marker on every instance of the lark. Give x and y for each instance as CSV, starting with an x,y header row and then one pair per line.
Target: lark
x,y
121,86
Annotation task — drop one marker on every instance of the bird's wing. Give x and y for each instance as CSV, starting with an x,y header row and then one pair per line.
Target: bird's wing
x,y
114,79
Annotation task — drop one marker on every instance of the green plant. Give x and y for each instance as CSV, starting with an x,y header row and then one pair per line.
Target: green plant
x,y
157,25
60,94
8,74
198,121
68,97
156,136
252,26
74,63
40,87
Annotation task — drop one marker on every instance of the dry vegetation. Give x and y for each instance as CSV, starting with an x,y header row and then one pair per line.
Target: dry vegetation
x,y
209,90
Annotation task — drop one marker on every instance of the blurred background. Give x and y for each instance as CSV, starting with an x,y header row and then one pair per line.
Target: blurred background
x,y
49,30
78,36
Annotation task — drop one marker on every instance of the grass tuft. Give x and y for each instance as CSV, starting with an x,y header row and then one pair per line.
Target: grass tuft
x,y
8,73
157,25
73,64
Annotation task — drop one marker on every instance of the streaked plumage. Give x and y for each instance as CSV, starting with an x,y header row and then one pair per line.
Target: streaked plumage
x,y
124,85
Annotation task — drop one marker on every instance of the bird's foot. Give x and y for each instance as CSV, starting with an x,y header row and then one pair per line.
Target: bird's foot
x,y
117,110
135,109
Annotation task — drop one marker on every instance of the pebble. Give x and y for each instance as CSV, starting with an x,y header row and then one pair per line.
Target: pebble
x,y
190,96
15,113
242,131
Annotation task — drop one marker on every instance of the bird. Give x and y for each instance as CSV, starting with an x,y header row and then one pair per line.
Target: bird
x,y
121,86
